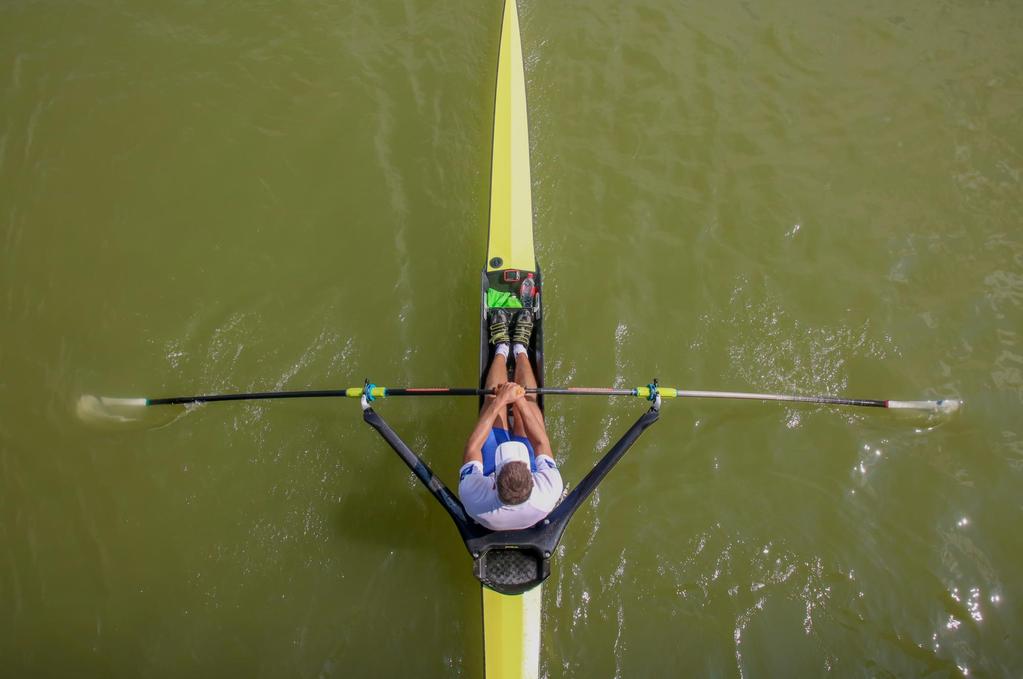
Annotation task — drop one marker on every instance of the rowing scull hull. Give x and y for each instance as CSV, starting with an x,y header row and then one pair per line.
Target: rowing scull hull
x,y
511,622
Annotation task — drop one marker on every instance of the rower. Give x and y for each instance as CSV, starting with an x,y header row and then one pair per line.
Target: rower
x,y
509,479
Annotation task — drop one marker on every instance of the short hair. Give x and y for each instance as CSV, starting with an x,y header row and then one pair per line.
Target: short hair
x,y
514,483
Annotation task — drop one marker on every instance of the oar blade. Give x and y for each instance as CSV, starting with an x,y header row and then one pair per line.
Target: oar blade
x,y
106,412
946,406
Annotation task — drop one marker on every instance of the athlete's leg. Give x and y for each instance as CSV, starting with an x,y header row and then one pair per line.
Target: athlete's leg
x,y
525,377
496,376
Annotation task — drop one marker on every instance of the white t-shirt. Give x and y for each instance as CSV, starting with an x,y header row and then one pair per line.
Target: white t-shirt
x,y
479,496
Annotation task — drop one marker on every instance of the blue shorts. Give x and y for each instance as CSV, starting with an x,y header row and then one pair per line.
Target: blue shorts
x,y
497,437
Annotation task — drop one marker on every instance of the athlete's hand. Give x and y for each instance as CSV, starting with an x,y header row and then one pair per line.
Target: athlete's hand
x,y
509,392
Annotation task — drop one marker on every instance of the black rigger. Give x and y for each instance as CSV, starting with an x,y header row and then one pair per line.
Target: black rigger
x,y
515,561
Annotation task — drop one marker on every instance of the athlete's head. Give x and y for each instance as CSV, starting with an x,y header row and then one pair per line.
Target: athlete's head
x,y
514,478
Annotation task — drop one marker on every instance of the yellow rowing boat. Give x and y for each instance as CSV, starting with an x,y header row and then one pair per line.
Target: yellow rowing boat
x,y
511,622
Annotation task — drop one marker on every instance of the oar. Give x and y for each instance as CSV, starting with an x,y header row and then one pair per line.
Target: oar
x,y
947,405
372,392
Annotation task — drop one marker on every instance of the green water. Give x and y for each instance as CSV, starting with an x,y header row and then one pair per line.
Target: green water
x,y
790,196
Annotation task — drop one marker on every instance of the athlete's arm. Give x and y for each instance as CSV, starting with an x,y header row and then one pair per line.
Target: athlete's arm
x,y
532,420
506,393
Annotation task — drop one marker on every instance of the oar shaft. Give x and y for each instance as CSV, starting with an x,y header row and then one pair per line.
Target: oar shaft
x,y
252,396
940,406
831,400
